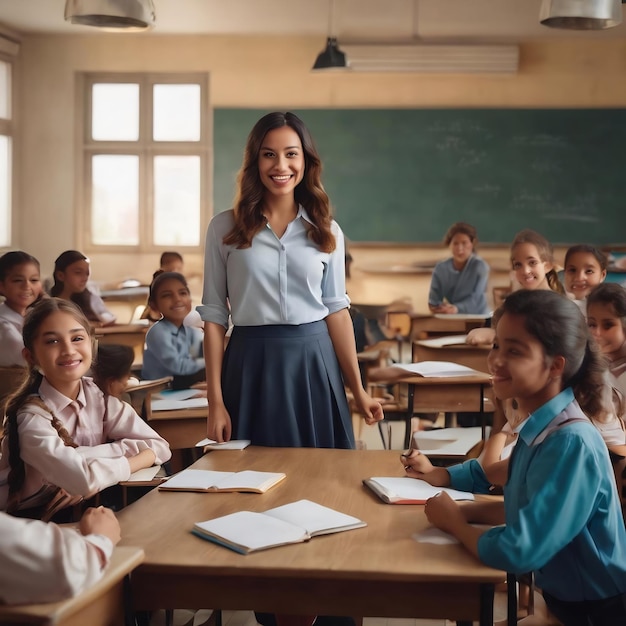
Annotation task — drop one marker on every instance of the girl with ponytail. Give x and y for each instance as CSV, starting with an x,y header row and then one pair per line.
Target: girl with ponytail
x,y
61,430
561,517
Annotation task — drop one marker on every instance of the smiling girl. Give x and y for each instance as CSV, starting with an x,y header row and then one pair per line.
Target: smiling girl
x,y
20,284
459,283
61,431
172,349
606,318
584,269
561,516
71,275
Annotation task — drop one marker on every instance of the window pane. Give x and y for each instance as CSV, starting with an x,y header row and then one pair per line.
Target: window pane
x,y
5,90
177,200
176,113
115,200
5,191
115,112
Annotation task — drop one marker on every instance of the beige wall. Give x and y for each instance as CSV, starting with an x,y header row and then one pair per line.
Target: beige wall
x,y
261,72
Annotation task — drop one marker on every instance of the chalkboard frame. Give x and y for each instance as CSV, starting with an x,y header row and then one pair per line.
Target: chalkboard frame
x,y
404,175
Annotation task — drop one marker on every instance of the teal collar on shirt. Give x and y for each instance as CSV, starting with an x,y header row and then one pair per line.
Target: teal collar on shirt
x,y
539,419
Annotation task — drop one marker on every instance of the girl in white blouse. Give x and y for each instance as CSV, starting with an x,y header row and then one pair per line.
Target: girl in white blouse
x,y
61,430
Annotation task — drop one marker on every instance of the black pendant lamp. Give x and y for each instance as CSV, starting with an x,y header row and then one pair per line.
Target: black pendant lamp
x,y
331,57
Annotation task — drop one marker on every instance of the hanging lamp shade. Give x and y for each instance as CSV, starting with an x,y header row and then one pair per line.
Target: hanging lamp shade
x,y
581,14
124,15
331,57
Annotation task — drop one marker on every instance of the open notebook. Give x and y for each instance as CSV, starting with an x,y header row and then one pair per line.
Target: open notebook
x,y
437,369
212,481
248,531
405,490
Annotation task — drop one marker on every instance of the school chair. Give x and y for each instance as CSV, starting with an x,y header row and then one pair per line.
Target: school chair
x,y
10,379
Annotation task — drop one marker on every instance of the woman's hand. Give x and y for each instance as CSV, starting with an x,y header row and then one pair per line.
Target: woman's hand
x,y
418,465
219,426
444,513
370,408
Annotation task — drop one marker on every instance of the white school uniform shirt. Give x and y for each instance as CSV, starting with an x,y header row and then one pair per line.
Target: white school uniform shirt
x,y
95,464
11,342
42,562
99,308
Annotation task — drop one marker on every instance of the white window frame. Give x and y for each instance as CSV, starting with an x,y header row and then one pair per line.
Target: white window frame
x,y
146,149
9,49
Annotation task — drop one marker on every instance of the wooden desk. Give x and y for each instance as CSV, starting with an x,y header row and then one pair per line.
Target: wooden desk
x,y
424,325
181,428
447,394
133,335
103,604
379,570
461,353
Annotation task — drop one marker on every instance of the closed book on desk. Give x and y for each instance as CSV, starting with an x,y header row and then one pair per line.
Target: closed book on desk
x,y
212,481
437,369
248,531
405,490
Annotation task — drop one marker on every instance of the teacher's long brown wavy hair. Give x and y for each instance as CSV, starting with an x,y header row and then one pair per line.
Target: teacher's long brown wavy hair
x,y
309,193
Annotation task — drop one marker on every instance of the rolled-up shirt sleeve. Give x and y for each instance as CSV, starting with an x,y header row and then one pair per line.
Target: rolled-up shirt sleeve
x,y
334,294
214,307
469,476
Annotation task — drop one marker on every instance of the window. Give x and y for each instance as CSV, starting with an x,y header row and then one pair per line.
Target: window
x,y
6,136
146,162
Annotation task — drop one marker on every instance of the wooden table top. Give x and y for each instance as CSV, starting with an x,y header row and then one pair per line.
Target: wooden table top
x,y
161,522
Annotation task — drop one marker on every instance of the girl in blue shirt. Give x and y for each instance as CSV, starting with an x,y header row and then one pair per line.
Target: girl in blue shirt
x,y
172,349
561,517
276,263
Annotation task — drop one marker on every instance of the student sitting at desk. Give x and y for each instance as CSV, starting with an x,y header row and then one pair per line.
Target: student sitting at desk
x,y
561,517
112,368
584,268
61,431
458,284
71,273
20,284
173,349
42,562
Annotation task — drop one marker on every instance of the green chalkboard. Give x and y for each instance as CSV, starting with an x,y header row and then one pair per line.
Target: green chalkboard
x,y
404,175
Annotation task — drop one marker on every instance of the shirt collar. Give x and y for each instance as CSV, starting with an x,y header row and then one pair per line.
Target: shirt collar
x,y
172,327
56,401
304,215
539,420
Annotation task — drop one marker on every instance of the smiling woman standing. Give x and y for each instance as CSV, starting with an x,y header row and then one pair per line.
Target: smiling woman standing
x,y
459,283
275,262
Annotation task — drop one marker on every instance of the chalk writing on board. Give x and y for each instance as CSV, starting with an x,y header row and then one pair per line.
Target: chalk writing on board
x,y
541,140
487,189
572,217
471,157
546,166
456,127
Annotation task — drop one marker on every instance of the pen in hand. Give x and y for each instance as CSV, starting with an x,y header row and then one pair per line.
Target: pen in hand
x,y
410,453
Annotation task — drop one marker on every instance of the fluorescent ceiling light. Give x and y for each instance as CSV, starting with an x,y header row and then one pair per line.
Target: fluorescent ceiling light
x,y
435,58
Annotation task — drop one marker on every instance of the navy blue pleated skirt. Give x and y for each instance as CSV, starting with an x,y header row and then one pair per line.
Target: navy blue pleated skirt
x,y
283,387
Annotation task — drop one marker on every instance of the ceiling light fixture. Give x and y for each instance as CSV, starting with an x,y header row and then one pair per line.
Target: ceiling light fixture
x,y
331,58
581,14
114,15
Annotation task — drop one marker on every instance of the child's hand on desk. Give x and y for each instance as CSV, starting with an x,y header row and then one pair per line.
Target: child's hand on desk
x,y
444,513
145,458
100,521
481,336
219,427
418,465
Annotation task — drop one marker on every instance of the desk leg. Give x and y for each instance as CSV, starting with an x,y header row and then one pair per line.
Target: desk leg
x,y
409,416
483,418
486,604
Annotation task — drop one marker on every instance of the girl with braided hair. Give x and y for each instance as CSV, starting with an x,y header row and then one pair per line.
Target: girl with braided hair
x,y
61,430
